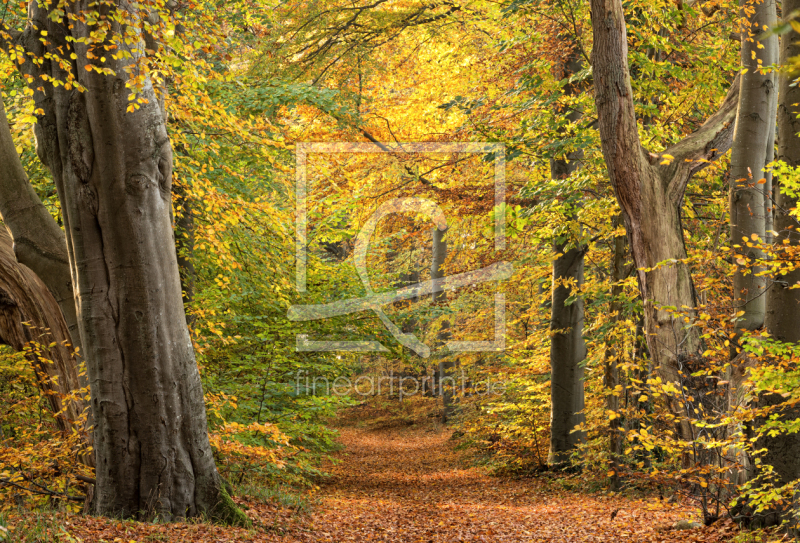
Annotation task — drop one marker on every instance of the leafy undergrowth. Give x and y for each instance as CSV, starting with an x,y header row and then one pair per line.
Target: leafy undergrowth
x,y
407,482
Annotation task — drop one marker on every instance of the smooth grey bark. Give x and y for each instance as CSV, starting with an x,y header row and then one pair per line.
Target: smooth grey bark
x,y
567,347
567,352
113,172
446,384
651,194
39,242
783,303
753,137
750,199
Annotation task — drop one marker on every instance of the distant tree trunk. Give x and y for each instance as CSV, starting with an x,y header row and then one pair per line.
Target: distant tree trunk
x,y
611,368
754,136
567,352
445,379
30,318
113,172
651,194
567,347
783,302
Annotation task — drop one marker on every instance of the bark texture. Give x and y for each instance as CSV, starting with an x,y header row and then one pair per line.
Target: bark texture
x,y
754,136
651,192
30,319
113,171
567,347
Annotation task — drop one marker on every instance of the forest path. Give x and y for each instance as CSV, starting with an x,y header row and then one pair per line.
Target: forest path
x,y
410,484
402,480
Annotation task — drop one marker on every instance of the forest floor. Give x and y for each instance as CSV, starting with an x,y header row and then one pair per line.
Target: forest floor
x,y
401,481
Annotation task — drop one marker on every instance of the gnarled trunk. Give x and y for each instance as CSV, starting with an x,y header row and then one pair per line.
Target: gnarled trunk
x,y
113,172
650,190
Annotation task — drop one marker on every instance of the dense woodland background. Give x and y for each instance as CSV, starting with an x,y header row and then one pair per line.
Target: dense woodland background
x,y
651,322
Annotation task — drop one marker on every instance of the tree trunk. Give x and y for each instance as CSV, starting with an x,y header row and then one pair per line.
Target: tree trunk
x,y
446,383
783,302
650,190
754,136
567,352
30,318
612,355
567,347
113,172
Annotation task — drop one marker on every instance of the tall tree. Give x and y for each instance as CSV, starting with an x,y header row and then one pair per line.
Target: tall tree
x,y
753,142
439,296
783,301
111,161
567,347
650,188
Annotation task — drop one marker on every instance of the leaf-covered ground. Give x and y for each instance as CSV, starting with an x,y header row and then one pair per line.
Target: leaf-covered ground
x,y
408,483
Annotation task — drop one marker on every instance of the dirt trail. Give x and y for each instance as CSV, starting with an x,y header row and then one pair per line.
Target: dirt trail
x,y
409,484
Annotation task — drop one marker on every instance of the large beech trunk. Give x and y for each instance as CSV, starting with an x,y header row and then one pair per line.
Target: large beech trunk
x,y
783,302
113,171
30,320
754,137
651,194
750,194
567,347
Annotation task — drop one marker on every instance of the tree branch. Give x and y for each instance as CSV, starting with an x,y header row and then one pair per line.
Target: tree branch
x,y
699,149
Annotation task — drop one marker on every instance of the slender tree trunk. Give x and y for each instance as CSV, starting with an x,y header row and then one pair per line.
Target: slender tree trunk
x,y
567,347
446,382
753,137
567,352
113,172
650,190
611,368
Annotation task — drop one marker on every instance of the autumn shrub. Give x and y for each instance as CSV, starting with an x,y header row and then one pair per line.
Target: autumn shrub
x,y
39,463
